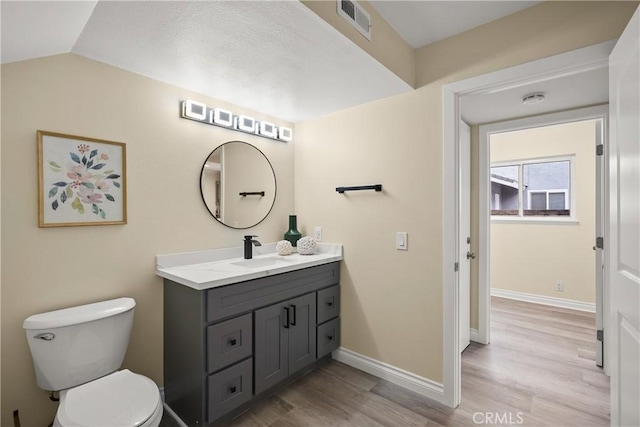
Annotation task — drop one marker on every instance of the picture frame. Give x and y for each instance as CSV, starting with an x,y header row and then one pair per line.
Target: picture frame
x,y
81,181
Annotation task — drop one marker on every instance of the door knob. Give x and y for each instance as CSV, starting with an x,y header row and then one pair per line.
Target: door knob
x,y
471,255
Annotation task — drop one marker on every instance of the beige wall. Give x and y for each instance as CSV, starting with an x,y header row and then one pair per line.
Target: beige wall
x,y
549,28
392,300
531,257
386,45
50,268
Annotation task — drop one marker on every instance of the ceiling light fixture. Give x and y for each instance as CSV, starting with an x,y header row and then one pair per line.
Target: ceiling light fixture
x,y
533,98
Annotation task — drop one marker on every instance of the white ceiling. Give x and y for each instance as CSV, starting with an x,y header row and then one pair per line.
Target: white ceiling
x,y
31,29
276,57
577,90
423,22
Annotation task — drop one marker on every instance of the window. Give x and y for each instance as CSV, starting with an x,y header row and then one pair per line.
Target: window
x,y
532,188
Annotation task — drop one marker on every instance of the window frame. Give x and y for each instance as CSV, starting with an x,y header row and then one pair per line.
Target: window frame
x,y
564,219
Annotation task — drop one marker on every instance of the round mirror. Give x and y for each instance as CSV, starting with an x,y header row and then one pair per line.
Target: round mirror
x,y
238,185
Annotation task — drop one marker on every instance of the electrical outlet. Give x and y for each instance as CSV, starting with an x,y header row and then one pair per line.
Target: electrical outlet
x,y
317,234
559,286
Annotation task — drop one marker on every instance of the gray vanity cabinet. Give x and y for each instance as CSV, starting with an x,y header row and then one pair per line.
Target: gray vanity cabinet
x,y
228,346
285,340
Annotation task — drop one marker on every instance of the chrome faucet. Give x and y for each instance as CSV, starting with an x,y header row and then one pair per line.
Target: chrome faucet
x,y
248,248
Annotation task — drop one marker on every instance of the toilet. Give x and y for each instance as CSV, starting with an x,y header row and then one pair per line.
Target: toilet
x,y
78,351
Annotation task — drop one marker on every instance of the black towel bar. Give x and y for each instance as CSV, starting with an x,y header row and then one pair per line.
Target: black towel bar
x,y
252,193
377,187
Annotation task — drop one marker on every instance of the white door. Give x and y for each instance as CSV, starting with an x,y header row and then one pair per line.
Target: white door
x,y
464,277
623,335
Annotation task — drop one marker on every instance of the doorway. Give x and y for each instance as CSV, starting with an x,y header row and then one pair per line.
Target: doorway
x,y
511,201
568,64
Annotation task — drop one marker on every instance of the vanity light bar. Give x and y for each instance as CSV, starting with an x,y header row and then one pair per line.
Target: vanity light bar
x,y
199,112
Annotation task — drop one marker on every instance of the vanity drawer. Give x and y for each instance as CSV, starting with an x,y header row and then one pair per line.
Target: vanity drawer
x,y
227,301
229,389
229,342
328,304
328,337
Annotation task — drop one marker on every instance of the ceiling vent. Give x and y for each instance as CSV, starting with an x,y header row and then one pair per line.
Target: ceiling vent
x,y
355,15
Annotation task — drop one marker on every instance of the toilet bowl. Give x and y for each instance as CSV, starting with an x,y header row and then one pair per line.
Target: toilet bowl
x,y
116,400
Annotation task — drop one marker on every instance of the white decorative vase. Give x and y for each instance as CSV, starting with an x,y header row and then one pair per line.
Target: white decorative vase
x,y
283,247
306,246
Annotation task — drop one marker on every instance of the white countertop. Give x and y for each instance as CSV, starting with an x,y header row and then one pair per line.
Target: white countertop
x,y
218,267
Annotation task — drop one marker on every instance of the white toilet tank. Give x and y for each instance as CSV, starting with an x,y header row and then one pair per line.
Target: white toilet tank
x,y
76,345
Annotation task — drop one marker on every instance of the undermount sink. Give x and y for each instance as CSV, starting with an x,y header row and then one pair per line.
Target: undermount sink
x,y
261,262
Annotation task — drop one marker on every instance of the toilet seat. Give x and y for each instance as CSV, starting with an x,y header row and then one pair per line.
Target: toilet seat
x,y
121,399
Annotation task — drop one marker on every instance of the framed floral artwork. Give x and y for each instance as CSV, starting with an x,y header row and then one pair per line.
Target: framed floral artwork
x,y
81,181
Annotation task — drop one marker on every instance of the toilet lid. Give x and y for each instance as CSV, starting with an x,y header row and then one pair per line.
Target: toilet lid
x,y
119,399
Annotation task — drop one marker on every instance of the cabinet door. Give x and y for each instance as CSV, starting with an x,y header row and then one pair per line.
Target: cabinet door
x,y
271,346
302,331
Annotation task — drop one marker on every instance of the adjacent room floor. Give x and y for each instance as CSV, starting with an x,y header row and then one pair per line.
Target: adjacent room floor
x,y
539,370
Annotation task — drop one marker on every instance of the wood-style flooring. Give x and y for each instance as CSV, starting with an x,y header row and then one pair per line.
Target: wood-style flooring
x,y
539,370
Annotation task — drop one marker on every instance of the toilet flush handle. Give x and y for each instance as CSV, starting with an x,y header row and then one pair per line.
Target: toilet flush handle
x,y
47,336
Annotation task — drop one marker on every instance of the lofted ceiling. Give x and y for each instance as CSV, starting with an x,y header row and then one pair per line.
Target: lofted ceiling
x,y
275,57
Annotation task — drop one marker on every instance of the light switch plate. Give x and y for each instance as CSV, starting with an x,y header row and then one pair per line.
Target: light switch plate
x,y
401,241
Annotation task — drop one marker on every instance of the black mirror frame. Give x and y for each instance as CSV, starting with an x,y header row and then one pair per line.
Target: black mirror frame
x,y
275,186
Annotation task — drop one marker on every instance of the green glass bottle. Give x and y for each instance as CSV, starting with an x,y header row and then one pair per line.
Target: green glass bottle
x,y
293,235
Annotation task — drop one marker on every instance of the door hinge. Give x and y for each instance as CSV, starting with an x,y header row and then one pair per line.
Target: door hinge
x,y
456,266
600,242
599,149
600,335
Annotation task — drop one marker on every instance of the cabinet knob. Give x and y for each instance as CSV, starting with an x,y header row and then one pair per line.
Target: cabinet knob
x,y
330,303
232,389
330,337
232,341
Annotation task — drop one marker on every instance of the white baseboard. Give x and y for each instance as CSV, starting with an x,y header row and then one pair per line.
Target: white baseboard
x,y
540,299
418,384
473,335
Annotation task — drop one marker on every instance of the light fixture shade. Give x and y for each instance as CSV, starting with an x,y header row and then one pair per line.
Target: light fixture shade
x,y
194,110
285,134
245,123
222,117
268,129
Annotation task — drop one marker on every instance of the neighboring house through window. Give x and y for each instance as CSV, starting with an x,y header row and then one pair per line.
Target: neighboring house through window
x,y
532,188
